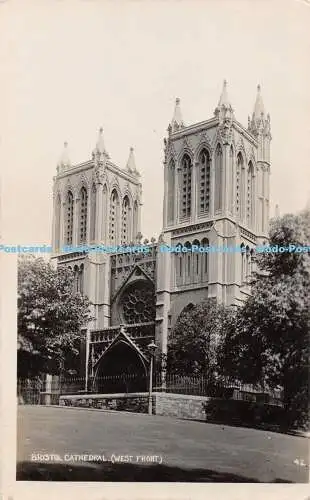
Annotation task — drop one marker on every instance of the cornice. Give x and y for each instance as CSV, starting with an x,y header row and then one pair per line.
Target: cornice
x,y
122,173
76,169
193,129
240,128
111,167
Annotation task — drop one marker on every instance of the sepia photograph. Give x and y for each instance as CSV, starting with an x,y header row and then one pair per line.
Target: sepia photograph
x,y
155,196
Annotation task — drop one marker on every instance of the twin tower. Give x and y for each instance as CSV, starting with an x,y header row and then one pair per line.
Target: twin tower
x,y
216,192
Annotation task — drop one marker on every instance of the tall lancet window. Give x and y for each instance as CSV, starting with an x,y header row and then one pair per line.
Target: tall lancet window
x,y
76,280
81,285
243,252
240,174
204,182
186,186
69,218
231,180
250,194
218,167
114,217
57,222
135,220
83,215
204,261
93,213
170,192
126,220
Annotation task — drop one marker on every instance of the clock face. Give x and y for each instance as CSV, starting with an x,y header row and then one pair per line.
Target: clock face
x,y
138,303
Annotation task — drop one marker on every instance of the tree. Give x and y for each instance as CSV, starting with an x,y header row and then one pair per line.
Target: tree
x,y
271,343
50,318
196,337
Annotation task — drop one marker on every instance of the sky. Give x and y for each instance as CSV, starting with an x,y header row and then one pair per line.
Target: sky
x,y
69,67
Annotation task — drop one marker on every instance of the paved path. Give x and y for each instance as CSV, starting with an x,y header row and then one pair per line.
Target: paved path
x,y
190,451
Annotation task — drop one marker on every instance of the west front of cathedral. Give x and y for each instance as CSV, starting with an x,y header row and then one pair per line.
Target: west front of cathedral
x,y
216,194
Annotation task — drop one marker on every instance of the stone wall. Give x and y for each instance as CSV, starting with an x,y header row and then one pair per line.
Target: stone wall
x,y
136,402
174,405
181,406
207,409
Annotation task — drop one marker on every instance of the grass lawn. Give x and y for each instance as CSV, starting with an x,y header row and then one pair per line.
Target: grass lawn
x,y
189,451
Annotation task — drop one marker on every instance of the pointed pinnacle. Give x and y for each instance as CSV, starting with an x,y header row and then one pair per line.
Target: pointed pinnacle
x,y
224,100
259,109
100,147
177,120
131,163
64,159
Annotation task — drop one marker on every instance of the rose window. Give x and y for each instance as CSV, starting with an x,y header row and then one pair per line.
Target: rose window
x,y
138,304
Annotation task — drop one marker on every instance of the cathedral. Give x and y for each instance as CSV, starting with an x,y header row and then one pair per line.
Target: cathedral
x,y
216,193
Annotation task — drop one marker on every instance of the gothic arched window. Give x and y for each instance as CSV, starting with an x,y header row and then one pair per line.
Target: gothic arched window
x,y
135,220
243,262
196,262
76,279
171,194
247,264
240,178
250,194
218,176
83,215
186,186
125,220
251,263
204,261
81,284
231,179
188,263
114,217
187,309
178,260
204,182
57,222
93,213
69,218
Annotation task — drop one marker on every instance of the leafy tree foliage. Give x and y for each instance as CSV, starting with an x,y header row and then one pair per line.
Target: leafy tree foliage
x,y
196,338
271,342
50,318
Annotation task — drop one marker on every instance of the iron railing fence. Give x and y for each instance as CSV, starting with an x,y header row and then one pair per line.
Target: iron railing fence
x,y
29,391
169,382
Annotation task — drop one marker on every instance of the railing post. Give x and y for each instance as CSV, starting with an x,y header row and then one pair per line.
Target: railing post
x,y
150,406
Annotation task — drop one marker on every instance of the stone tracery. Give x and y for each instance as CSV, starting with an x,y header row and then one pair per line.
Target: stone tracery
x,y
138,303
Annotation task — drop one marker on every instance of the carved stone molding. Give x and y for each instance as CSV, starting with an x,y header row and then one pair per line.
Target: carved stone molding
x,y
225,131
192,228
100,174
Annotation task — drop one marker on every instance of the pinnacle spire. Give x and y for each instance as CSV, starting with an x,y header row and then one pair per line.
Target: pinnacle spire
x,y
224,101
100,147
100,151
177,120
131,163
64,160
224,108
259,109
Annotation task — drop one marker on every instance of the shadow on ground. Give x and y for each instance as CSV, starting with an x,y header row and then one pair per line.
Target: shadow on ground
x,y
30,471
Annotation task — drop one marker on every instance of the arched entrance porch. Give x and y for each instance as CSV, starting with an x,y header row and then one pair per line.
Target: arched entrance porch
x,y
121,369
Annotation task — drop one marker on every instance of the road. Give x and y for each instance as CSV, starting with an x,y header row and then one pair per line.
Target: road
x,y
139,447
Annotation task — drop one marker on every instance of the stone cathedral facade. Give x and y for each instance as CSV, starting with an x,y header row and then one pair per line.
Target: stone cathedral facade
x,y
216,193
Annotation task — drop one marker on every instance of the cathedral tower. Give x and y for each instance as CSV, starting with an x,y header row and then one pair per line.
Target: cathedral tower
x,y
95,203
216,194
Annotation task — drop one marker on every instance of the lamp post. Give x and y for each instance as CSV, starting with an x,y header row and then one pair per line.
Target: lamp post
x,y
152,348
